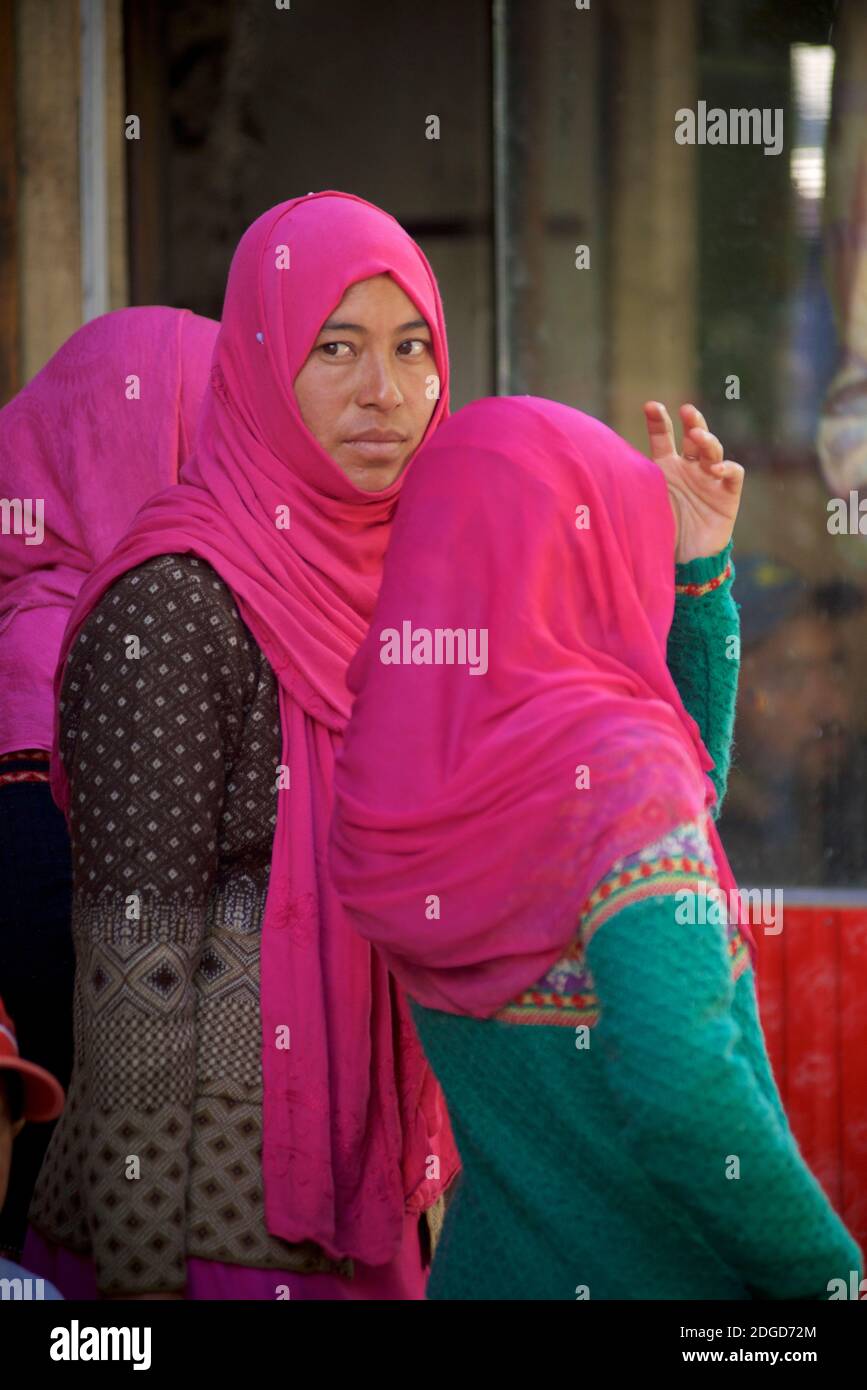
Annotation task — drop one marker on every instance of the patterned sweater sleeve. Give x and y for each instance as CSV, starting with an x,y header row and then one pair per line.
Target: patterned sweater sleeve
x,y
678,1041
147,735
704,655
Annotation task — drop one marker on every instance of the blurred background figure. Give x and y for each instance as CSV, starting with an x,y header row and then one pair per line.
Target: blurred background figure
x,y
28,1094
106,423
842,434
796,813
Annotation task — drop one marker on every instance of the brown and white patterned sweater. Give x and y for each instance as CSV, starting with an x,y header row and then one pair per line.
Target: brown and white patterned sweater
x,y
172,760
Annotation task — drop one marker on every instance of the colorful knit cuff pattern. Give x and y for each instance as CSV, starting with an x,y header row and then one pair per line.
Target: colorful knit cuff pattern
x,y
709,585
695,578
680,861
25,765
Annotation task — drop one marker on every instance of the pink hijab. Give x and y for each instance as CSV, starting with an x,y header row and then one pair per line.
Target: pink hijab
x,y
461,845
355,1127
80,439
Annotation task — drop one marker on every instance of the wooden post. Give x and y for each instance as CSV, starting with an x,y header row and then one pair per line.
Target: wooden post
x,y
9,307
653,214
49,246
55,213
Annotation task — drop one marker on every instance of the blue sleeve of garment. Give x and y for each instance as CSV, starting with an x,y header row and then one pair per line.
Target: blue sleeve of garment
x,y
693,1109
704,656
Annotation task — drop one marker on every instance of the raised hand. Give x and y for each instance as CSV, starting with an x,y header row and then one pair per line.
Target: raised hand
x,y
704,487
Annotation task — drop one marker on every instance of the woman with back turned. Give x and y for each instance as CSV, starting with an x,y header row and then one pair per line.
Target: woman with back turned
x,y
534,853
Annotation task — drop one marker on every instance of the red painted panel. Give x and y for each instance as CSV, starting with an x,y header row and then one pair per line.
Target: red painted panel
x,y
812,986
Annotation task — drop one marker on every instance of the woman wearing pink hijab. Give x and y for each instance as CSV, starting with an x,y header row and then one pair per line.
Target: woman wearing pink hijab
x,y
103,426
239,1050
525,829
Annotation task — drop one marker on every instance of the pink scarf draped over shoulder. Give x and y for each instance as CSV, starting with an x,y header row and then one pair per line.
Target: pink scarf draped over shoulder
x,y
104,425
355,1128
534,551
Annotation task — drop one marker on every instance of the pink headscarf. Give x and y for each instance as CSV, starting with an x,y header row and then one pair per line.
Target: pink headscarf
x,y
80,439
462,846
352,1114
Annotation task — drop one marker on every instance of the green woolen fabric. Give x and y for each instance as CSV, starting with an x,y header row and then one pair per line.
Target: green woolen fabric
x,y
704,672
611,1168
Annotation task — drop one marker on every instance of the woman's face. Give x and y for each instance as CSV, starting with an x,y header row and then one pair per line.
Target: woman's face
x,y
370,385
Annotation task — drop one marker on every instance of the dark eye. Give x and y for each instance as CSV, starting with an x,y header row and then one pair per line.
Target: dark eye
x,y
326,348
417,347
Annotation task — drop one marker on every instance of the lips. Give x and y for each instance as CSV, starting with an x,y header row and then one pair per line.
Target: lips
x,y
378,437
378,446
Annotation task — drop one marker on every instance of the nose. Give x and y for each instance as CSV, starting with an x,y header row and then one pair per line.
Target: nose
x,y
378,386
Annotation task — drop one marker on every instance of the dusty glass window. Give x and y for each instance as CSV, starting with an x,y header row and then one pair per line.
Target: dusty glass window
x,y
723,269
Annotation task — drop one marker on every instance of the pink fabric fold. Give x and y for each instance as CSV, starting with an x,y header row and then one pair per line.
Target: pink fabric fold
x,y
464,843
92,445
356,1131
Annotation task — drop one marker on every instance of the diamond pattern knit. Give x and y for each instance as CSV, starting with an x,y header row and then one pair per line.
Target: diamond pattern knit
x,y
172,758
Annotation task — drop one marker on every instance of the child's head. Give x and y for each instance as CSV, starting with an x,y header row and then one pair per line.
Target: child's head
x,y
27,1092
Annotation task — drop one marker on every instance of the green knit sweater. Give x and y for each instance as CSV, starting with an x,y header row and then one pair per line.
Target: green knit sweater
x,y
642,1150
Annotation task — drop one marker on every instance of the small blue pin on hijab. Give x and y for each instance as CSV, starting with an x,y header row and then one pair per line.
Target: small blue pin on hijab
x,y
260,337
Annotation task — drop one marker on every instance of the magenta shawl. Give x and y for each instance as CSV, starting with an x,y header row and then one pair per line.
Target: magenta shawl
x,y
462,846
355,1126
79,438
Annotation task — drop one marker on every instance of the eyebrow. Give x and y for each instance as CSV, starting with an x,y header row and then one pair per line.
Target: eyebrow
x,y
331,326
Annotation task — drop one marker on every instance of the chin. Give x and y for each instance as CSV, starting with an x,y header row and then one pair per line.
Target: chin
x,y
380,481
372,477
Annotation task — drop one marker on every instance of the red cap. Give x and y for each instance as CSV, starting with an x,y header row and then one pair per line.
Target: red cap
x,y
43,1093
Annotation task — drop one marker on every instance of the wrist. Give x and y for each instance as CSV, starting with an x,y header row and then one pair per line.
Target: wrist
x,y
704,574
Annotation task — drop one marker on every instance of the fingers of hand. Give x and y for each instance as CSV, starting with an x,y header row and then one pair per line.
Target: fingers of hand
x,y
660,429
700,446
692,418
731,474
